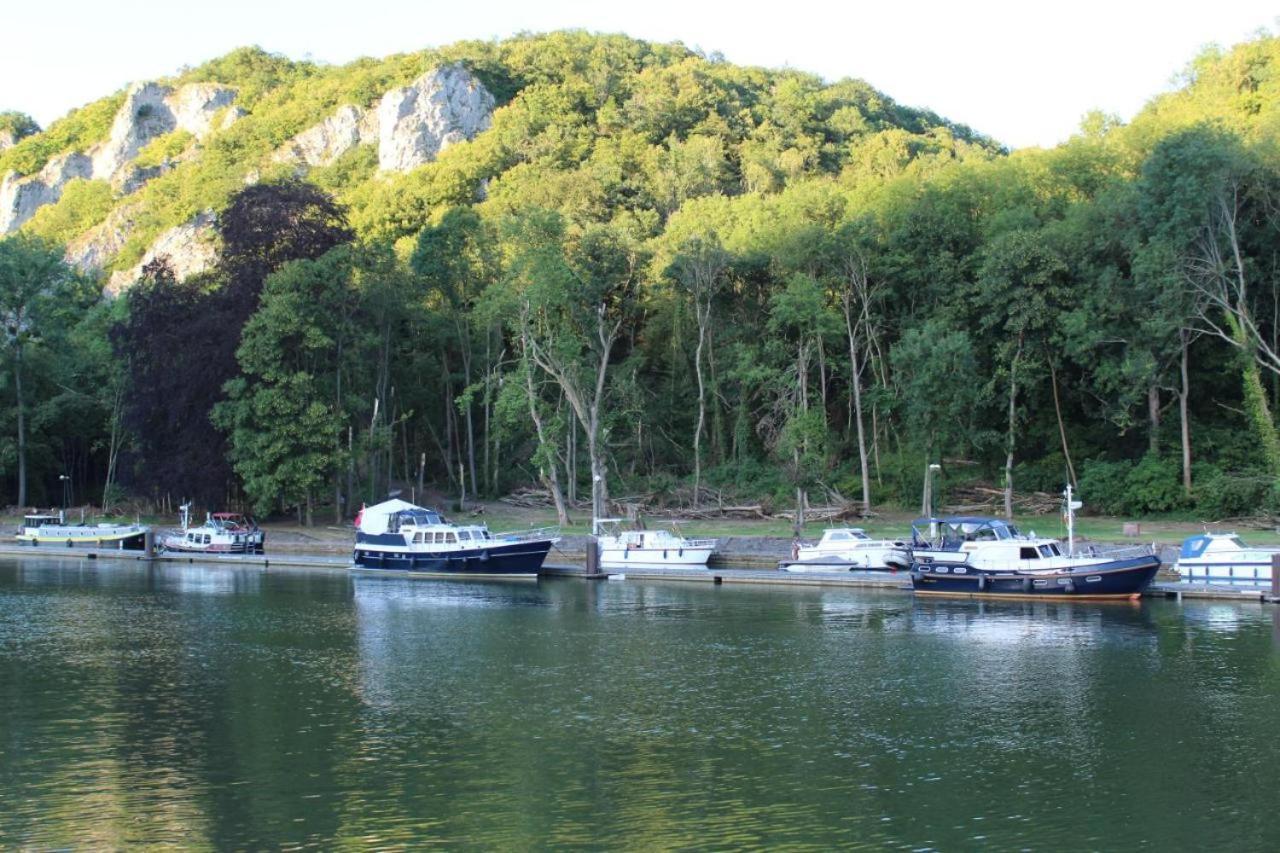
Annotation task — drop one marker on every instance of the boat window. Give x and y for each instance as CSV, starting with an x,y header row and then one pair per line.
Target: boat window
x,y
1235,540
449,537
1047,551
984,534
464,536
206,539
1054,549
1029,554
839,537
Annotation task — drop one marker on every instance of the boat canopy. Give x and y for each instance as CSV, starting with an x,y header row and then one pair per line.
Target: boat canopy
x,y
843,534
957,530
388,516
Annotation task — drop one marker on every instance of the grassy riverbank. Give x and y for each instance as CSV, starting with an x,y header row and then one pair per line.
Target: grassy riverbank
x,y
889,524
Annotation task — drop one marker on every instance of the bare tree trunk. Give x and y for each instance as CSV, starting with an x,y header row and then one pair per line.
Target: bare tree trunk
x,y
1062,429
1153,419
1011,436
1183,393
114,443
550,476
704,317
22,427
855,386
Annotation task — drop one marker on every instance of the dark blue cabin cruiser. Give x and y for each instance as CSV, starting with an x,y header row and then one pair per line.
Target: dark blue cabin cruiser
x,y
976,556
398,535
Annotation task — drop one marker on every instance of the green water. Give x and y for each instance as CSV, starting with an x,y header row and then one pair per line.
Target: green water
x,y
231,708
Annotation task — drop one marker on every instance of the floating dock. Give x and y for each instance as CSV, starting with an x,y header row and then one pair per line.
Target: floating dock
x,y
774,577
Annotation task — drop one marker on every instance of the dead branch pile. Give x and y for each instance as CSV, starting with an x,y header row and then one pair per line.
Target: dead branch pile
x,y
986,500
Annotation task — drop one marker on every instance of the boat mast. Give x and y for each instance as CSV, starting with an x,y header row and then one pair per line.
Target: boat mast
x,y
1072,506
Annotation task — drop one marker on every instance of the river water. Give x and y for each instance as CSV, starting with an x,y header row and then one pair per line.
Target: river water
x,y
235,708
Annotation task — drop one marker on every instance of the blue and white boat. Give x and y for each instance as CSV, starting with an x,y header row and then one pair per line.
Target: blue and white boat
x,y
974,556
1223,558
399,535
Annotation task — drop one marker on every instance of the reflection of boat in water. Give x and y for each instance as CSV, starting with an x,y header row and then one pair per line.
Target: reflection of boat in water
x,y
975,556
1224,557
843,549
221,533
648,549
396,534
50,529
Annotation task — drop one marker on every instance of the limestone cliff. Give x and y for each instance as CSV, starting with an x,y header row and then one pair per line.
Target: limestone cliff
x,y
415,123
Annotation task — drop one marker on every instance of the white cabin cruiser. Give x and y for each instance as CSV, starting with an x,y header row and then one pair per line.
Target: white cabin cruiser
x,y
396,534
648,549
50,529
1224,558
976,556
221,533
843,549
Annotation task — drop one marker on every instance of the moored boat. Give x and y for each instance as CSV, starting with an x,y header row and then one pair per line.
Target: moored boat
x,y
988,557
1223,558
648,549
843,549
399,535
221,533
51,529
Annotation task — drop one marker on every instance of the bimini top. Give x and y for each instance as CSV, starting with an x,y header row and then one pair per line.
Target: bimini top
x,y
388,516
964,528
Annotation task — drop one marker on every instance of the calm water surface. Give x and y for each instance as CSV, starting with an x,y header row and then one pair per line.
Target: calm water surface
x,y
222,707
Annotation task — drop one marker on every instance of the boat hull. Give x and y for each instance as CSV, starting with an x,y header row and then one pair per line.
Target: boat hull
x,y
513,558
655,558
1117,579
133,540
1226,572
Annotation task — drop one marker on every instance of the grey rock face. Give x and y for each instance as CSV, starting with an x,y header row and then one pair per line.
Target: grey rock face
x,y
151,110
321,145
190,248
444,106
21,197
94,249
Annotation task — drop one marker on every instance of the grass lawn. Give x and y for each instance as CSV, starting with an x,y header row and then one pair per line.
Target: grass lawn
x,y
887,524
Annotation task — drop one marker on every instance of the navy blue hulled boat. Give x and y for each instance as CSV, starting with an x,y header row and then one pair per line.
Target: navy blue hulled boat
x,y
974,556
399,535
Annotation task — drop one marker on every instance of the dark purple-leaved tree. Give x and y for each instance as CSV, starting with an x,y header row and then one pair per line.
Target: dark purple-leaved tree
x,y
180,338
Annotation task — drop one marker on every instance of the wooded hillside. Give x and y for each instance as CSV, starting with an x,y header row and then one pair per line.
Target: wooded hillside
x,y
653,272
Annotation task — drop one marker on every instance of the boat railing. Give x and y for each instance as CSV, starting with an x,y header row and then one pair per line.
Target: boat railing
x,y
1114,552
528,535
699,543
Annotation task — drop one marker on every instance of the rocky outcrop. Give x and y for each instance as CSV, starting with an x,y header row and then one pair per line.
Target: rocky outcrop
x,y
151,110
94,249
321,145
21,197
190,248
442,107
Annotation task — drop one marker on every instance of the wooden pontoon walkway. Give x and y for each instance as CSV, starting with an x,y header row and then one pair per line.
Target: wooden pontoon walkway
x,y
773,577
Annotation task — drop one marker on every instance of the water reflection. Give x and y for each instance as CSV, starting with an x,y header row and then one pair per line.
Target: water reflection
x,y
231,707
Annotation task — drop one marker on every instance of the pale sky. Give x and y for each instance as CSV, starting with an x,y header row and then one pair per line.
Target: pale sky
x,y
1022,72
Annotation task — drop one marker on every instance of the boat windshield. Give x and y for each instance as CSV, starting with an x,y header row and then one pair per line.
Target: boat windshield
x,y
418,517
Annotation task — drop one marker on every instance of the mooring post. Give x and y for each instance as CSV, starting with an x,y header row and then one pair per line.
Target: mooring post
x,y
593,556
149,545
1275,575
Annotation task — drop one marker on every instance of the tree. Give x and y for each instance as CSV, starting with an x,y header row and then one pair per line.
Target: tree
x,y
578,293
180,338
699,266
40,299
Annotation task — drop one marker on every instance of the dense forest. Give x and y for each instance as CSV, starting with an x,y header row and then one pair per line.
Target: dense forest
x,y
658,274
